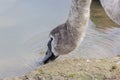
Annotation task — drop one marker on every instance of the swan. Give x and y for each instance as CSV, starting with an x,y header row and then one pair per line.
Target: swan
x,y
67,36
112,8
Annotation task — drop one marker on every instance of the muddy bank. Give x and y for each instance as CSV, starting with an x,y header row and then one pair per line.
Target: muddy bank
x,y
76,69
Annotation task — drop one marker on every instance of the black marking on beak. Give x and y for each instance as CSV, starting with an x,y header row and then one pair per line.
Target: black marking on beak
x,y
49,54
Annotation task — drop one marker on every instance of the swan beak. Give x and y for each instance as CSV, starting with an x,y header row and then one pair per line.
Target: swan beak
x,y
49,57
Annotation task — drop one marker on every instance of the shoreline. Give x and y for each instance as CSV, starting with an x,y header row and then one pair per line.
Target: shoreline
x,y
76,69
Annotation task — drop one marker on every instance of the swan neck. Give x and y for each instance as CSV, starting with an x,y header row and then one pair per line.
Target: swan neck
x,y
79,13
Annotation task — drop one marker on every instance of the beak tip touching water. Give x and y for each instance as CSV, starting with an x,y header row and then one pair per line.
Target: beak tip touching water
x,y
48,57
49,54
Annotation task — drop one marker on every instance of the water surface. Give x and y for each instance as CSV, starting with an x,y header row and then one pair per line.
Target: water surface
x,y
24,30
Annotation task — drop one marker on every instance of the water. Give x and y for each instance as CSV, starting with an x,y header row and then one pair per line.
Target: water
x,y
24,34
24,30
100,43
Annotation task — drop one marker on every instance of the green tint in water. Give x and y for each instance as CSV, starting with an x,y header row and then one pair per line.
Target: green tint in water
x,y
99,17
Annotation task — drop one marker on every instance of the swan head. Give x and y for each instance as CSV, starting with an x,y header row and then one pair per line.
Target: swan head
x,y
49,56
